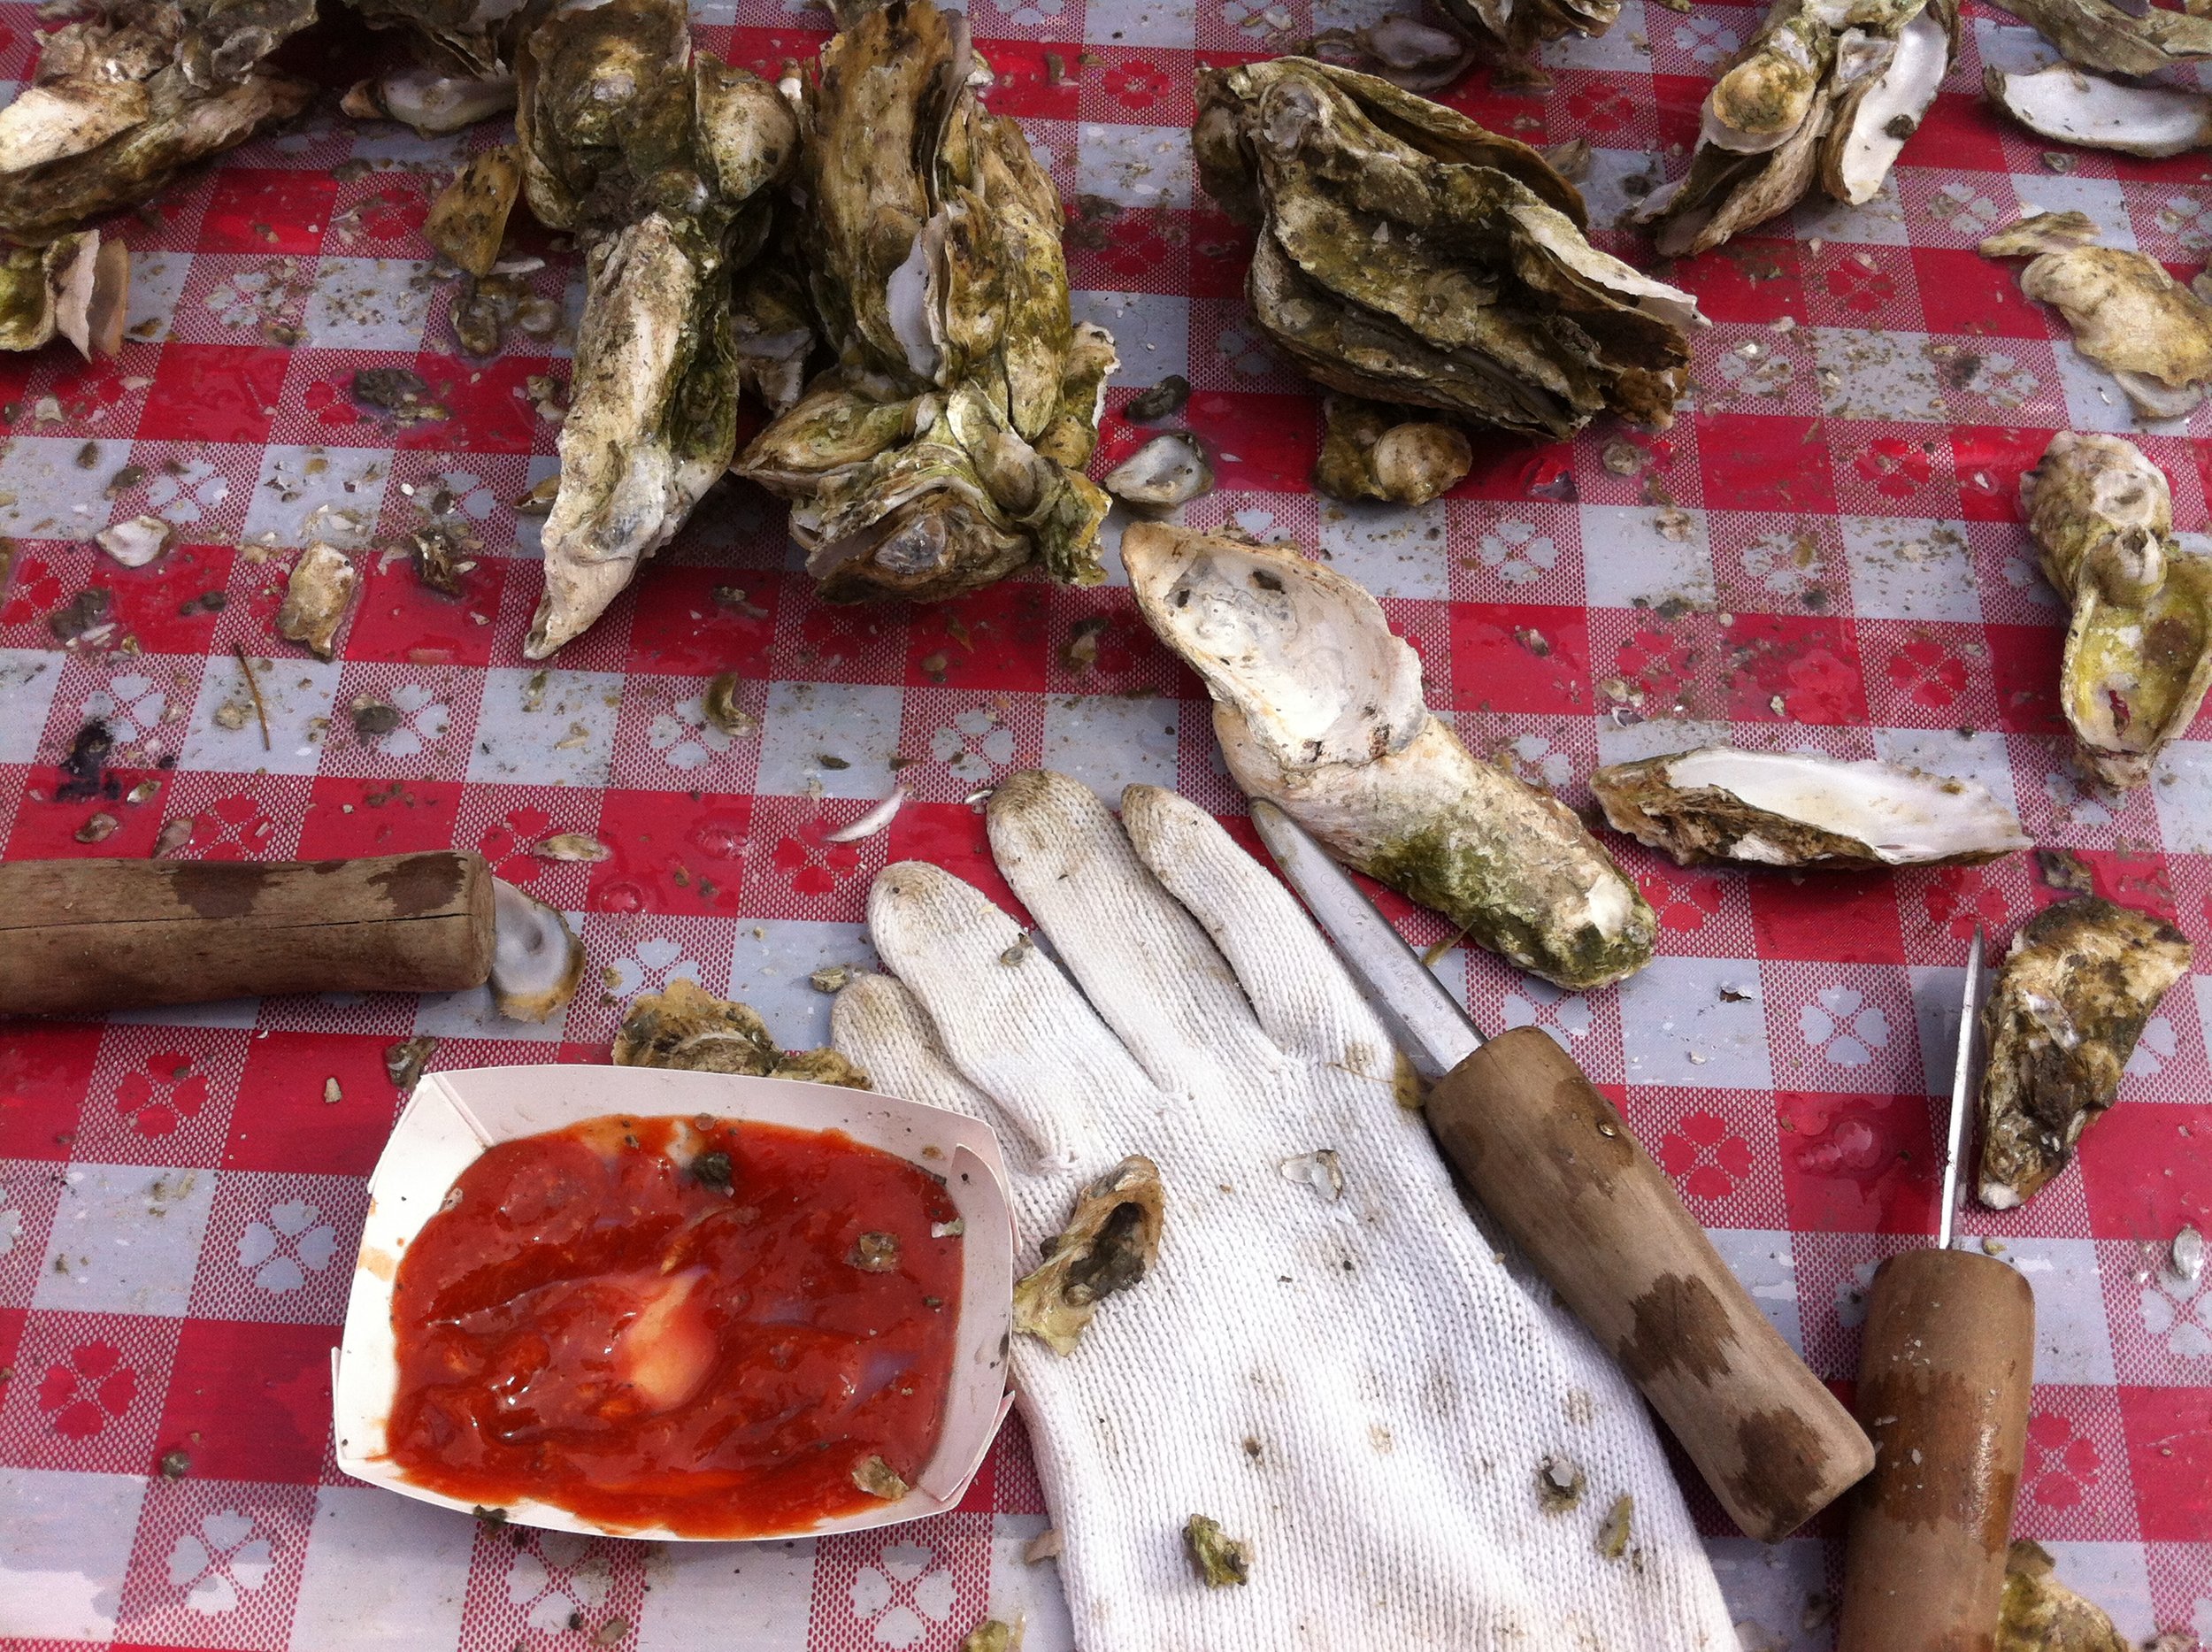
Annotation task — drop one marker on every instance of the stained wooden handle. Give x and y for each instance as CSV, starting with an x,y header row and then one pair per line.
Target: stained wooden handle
x,y
1944,1386
1552,1161
82,935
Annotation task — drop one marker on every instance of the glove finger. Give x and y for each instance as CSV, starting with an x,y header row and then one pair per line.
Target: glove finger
x,y
879,1026
1013,1025
1141,961
1296,985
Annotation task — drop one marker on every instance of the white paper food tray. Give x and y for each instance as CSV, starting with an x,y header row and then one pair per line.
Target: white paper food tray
x,y
454,1116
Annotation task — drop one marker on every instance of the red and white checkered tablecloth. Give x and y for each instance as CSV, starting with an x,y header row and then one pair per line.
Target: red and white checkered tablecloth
x,y
1825,550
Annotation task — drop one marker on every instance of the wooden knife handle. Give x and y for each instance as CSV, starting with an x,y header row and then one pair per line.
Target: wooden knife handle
x,y
1944,1386
1550,1159
85,935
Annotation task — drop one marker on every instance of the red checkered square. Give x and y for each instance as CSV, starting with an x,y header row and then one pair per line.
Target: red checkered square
x,y
2147,1165
951,835
1837,918
1703,912
1990,461
346,816
1129,250
45,1069
1892,470
1858,1164
993,638
795,871
399,620
380,214
679,853
161,1095
1794,668
2169,1457
285,1120
705,621
818,641
101,400
87,1392
284,1368
235,816
1941,905
1847,284
1520,657
1718,1146
217,1563
1012,1469
1098,643
214,392
1265,443
1648,665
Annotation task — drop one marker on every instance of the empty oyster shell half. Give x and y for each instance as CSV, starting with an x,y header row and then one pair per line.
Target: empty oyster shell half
x,y
1369,452
468,220
77,286
1822,93
316,597
1409,256
123,101
2070,105
1109,1245
2116,39
536,958
432,101
2128,315
1166,471
2138,650
1790,809
2063,1018
1319,709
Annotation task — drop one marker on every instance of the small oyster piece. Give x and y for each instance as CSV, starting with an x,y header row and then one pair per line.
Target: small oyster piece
x,y
1369,452
687,1028
2041,1614
2062,1020
468,220
658,163
138,541
878,1479
1821,93
75,286
1109,1244
1409,256
316,598
1510,30
947,447
2139,649
2116,39
1166,471
537,961
1319,709
432,101
2068,105
1789,809
123,101
1402,50
2043,232
1221,1560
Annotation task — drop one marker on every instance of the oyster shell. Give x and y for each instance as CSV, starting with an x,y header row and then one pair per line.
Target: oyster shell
x,y
1110,1243
656,161
2139,649
687,1028
2114,39
1166,471
1369,452
1789,809
2063,1018
1409,256
1512,29
2044,232
1402,50
1821,92
76,285
316,597
468,220
947,446
2133,319
2041,1614
432,101
121,103
2068,105
1319,709
537,961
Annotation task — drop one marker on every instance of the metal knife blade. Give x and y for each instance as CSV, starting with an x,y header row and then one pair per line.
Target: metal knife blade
x,y
1962,1077
1424,1019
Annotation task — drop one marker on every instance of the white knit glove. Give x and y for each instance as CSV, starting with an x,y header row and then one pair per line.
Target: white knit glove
x,y
1356,1389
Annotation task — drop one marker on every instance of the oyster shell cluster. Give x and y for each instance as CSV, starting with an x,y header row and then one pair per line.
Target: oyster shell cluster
x,y
1408,256
946,446
123,101
2128,315
657,162
2063,1018
1827,89
1319,709
2139,649
1792,808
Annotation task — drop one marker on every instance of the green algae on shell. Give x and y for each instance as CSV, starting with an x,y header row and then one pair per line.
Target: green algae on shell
x,y
1319,709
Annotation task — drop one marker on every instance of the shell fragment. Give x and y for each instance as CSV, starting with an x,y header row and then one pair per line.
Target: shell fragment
x,y
316,597
1319,709
1166,471
1789,809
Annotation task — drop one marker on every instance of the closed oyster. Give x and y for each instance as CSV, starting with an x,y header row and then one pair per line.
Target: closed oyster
x,y
2062,1020
1319,709
1369,452
656,162
316,597
1788,809
2070,105
687,1028
121,103
2138,650
947,446
75,286
1409,256
468,220
2114,39
1822,93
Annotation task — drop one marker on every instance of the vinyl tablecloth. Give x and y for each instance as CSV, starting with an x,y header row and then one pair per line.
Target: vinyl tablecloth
x,y
1824,551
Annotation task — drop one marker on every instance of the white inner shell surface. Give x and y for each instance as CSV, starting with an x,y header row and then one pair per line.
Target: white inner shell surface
x,y
2063,103
1908,85
1901,816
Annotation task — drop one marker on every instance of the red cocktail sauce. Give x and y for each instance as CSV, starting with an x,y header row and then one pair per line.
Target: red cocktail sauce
x,y
589,1322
